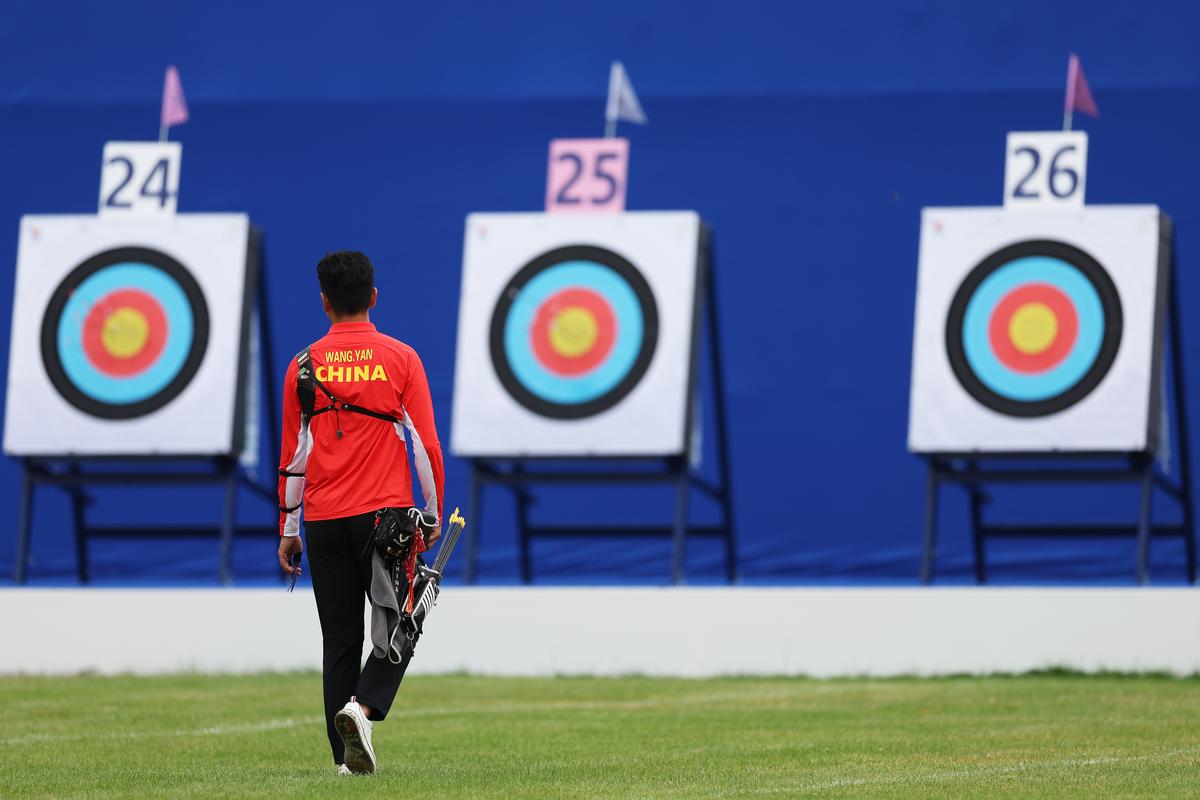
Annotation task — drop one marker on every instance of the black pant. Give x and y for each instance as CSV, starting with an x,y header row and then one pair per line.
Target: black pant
x,y
339,561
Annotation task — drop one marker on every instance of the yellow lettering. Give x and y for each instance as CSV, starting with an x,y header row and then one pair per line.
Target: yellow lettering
x,y
357,372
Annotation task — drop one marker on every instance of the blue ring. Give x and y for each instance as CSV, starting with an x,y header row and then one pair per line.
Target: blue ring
x,y
627,342
977,346
133,388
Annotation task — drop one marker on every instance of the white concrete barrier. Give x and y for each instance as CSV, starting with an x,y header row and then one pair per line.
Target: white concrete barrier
x,y
612,631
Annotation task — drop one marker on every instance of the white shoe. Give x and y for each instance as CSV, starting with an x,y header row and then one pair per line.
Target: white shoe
x,y
343,770
355,729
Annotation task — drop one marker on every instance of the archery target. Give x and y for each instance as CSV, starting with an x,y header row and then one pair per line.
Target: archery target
x,y
127,335
1034,328
1037,330
124,333
575,334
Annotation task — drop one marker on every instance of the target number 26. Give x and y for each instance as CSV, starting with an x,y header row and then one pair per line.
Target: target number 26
x,y
140,178
1045,169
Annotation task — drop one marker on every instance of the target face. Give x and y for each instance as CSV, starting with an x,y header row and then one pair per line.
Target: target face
x,y
573,332
124,333
1034,328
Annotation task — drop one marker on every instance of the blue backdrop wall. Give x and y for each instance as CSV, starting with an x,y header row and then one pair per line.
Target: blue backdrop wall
x,y
808,135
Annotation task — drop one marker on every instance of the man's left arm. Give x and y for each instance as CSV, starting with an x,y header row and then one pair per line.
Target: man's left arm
x,y
427,451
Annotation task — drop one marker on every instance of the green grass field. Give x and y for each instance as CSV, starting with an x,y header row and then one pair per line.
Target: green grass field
x,y
458,736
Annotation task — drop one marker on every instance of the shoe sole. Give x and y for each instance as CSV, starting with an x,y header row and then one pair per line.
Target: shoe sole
x,y
359,757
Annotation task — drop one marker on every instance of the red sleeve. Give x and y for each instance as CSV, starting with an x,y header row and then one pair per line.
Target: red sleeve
x,y
426,449
293,456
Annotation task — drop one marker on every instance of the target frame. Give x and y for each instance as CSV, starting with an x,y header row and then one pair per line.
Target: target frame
x,y
1120,414
633,374
1110,342
185,373
654,419
210,416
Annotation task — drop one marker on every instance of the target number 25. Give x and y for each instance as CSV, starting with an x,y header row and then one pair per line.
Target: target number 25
x,y
587,176
140,178
1045,169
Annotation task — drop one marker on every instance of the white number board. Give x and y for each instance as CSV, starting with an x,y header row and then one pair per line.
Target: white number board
x,y
140,179
1045,169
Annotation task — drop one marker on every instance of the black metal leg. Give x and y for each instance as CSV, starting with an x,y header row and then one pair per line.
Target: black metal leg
x,y
474,524
932,485
522,501
228,523
79,519
679,531
1143,534
732,572
267,359
24,527
1189,543
732,575
1183,442
977,539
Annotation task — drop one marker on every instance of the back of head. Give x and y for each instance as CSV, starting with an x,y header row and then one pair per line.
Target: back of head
x,y
347,278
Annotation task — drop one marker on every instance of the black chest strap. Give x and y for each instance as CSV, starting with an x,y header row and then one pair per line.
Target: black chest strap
x,y
307,386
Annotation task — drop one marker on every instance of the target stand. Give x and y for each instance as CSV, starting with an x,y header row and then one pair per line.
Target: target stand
x,y
143,293
1047,361
593,355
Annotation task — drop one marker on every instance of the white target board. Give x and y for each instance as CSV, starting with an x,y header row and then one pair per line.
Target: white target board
x,y
1039,331
127,335
576,334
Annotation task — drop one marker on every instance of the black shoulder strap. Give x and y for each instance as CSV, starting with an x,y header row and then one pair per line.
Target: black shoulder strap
x,y
306,382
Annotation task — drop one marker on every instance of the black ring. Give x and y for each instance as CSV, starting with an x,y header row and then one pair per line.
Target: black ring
x,y
54,310
641,363
1110,301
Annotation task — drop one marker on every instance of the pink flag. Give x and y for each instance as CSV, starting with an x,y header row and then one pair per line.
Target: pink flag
x,y
174,105
1079,95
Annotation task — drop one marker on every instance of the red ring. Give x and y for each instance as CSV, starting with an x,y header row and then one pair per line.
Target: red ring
x,y
93,332
539,332
1064,340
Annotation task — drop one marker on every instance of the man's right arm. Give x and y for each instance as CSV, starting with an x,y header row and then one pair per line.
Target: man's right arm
x,y
293,457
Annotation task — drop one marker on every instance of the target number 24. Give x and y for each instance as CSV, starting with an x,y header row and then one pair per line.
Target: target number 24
x,y
1045,169
140,178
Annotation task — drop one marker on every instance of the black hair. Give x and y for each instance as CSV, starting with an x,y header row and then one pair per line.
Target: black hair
x,y
347,278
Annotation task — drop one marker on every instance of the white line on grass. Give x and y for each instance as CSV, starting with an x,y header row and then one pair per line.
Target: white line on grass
x,y
910,778
290,722
213,730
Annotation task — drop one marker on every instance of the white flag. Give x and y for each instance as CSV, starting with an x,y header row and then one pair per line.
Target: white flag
x,y
622,100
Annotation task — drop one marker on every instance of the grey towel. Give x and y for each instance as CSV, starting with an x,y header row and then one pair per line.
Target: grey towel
x,y
385,612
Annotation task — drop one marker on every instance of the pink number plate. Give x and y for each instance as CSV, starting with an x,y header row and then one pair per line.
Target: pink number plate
x,y
587,176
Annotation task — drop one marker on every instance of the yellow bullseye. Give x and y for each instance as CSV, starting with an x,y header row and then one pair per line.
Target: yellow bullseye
x,y
573,332
125,332
1033,328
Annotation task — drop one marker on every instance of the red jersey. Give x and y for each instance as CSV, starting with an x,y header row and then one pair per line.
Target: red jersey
x,y
367,467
